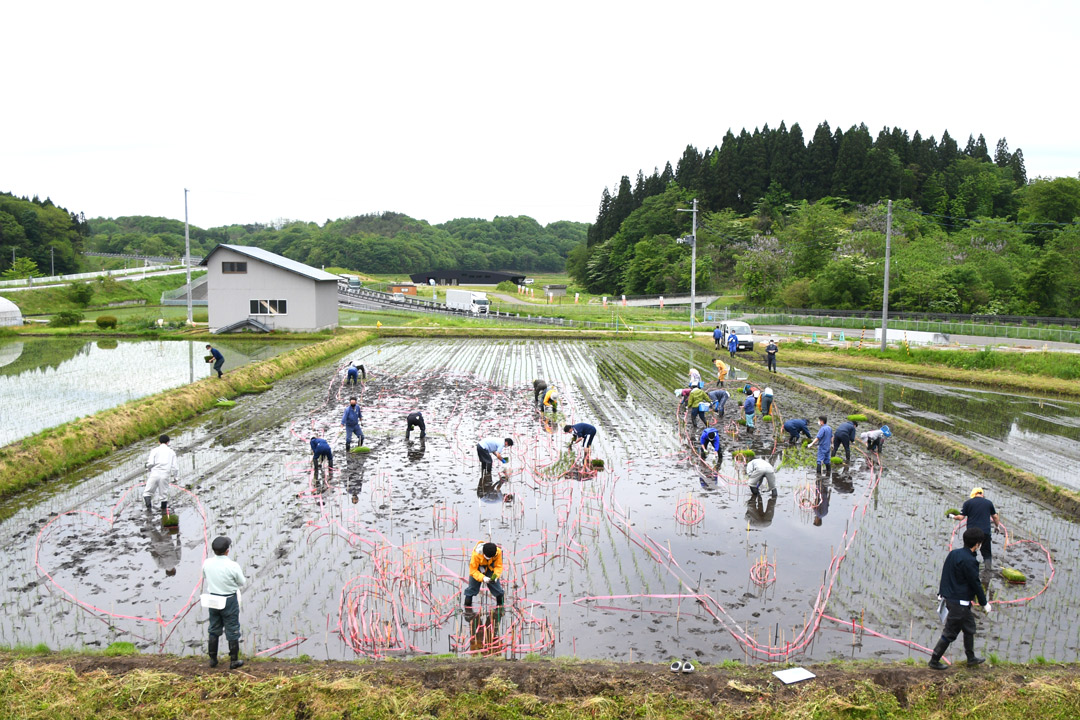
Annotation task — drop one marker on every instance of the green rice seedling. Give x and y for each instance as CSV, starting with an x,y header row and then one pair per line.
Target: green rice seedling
x,y
857,417
361,449
171,520
836,460
951,511
121,648
766,418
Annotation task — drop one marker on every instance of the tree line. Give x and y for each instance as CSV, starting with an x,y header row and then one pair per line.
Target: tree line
x,y
38,234
375,243
802,225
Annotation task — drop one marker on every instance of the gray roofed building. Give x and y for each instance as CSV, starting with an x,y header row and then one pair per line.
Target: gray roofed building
x,y
248,287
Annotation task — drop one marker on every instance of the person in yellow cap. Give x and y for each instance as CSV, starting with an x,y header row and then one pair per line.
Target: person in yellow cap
x,y
485,567
980,513
551,400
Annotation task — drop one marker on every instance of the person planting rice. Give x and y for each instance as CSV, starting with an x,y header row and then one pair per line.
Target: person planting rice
x,y
695,379
219,359
980,513
415,419
760,469
844,435
539,387
162,466
485,567
551,400
352,372
709,437
766,400
958,587
321,449
719,399
583,432
875,439
824,443
796,427
699,403
488,447
748,408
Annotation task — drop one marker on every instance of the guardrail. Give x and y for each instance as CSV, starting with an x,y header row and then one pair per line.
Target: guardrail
x,y
166,259
54,279
1020,332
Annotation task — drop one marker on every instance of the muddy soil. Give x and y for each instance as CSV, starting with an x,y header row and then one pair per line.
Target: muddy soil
x,y
1038,434
649,559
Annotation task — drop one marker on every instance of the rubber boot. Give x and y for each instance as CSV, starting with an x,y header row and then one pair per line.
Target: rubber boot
x,y
939,650
754,492
164,507
969,650
211,649
234,655
773,493
499,600
149,502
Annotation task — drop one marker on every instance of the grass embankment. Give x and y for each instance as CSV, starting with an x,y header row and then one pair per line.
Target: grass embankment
x,y
1053,373
52,452
106,290
980,463
126,687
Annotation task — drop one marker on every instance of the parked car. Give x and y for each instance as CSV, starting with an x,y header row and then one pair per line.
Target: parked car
x,y
742,331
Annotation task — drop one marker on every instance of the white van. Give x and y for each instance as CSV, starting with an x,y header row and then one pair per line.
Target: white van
x,y
742,332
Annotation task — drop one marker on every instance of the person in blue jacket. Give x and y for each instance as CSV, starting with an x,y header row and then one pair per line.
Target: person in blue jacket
x,y
732,344
352,374
350,420
844,435
321,449
749,407
717,336
710,437
824,443
219,359
583,432
797,427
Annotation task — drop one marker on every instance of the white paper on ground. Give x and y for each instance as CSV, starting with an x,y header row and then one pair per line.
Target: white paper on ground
x,y
793,675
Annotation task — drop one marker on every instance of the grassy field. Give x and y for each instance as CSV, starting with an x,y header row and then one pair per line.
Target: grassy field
x,y
985,366
124,687
55,299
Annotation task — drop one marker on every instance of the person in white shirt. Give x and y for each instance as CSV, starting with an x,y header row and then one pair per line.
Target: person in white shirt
x,y
760,469
162,466
222,579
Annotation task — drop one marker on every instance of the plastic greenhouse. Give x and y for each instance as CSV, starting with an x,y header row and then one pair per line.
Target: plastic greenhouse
x,y
9,313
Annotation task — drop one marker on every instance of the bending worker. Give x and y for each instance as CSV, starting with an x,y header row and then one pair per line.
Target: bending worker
x,y
719,400
321,449
222,580
766,401
824,442
350,420
710,436
162,465
352,373
551,400
980,513
695,379
699,403
960,586
760,469
219,359
488,447
583,432
539,386
875,439
415,419
485,567
797,427
844,435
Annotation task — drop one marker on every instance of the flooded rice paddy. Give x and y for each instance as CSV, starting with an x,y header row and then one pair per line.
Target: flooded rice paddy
x,y
45,382
1038,434
657,556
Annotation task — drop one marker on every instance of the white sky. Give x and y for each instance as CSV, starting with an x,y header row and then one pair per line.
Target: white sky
x,y
439,110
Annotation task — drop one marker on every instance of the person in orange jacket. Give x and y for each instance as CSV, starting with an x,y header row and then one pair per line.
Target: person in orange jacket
x,y
485,567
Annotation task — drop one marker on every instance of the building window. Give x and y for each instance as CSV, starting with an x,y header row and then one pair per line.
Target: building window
x,y
267,307
233,268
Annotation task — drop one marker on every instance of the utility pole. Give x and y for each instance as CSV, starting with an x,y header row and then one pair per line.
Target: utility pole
x,y
692,240
52,261
187,258
885,299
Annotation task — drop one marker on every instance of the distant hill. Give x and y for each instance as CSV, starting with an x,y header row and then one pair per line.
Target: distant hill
x,y
377,243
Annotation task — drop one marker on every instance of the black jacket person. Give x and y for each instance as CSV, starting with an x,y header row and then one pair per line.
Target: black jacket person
x,y
959,587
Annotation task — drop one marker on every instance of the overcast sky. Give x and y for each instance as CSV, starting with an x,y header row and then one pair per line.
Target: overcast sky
x,y
316,111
